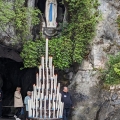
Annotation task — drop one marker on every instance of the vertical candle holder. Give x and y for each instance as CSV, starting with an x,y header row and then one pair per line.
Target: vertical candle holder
x,y
45,102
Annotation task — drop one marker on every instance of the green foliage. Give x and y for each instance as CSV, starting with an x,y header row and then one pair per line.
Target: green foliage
x,y
72,45
18,16
60,49
32,52
81,28
118,22
112,74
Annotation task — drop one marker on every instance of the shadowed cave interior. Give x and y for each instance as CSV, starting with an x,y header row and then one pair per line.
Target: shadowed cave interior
x,y
12,76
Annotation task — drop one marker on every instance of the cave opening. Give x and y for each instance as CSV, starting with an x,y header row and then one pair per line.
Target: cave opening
x,y
12,76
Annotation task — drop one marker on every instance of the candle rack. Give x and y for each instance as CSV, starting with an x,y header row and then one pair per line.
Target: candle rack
x,y
45,102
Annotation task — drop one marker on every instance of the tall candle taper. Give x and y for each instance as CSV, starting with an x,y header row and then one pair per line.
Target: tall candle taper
x,y
49,106
46,51
53,71
45,107
43,69
33,109
50,62
58,111
40,73
36,108
34,92
40,107
51,87
54,110
37,80
54,85
47,83
29,108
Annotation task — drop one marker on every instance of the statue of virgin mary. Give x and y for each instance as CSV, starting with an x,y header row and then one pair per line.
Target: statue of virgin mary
x,y
51,13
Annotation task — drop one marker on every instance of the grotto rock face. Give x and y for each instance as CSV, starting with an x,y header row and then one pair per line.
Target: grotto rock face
x,y
90,100
8,36
7,52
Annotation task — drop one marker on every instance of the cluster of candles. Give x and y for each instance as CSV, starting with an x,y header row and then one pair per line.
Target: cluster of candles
x,y
45,101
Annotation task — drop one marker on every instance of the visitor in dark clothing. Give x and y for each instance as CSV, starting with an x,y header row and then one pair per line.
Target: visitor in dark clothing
x,y
1,96
66,98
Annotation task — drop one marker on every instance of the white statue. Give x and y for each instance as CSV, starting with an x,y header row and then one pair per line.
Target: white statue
x,y
51,13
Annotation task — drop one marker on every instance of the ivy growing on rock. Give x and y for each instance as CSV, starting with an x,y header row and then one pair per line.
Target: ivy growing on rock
x,y
112,74
72,45
118,23
14,15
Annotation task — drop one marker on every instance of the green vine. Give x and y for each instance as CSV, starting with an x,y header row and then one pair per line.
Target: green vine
x,y
18,17
73,43
112,74
118,22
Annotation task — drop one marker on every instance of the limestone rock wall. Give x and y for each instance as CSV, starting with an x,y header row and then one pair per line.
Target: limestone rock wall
x,y
86,87
8,36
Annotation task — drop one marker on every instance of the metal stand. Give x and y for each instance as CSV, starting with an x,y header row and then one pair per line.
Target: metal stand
x,y
46,118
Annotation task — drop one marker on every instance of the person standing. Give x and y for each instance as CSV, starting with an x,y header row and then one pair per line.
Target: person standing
x,y
18,103
28,97
66,99
1,96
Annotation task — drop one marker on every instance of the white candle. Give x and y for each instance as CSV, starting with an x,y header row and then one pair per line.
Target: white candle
x,y
46,51
33,109
56,104
37,80
36,108
57,94
47,83
56,80
53,71
51,87
41,102
34,92
54,85
43,79
50,62
62,109
59,97
54,110
38,92
49,106
43,68
42,91
61,106
29,108
32,96
45,107
58,111
42,62
40,73
58,87
40,108
53,102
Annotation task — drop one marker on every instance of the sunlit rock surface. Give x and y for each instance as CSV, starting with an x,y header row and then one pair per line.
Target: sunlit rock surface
x,y
90,101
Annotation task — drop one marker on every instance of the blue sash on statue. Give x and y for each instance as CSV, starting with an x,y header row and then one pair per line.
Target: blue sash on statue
x,y
50,12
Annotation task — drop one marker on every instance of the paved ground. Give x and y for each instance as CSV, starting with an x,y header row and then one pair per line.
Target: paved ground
x,y
7,118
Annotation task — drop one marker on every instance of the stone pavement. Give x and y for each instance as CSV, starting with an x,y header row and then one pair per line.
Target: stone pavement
x,y
7,118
